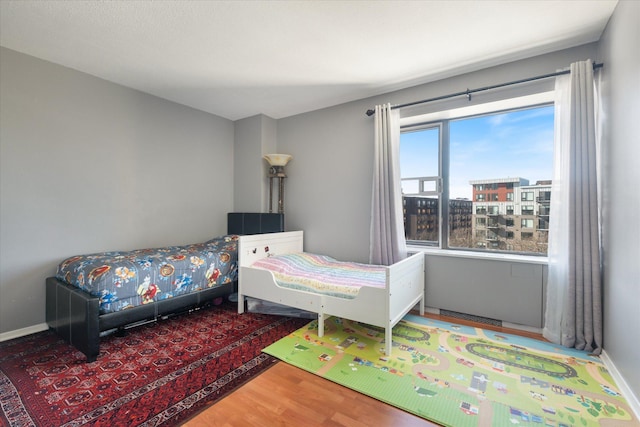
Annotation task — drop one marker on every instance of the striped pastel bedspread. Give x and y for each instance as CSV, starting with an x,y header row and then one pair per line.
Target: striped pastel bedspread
x,y
322,274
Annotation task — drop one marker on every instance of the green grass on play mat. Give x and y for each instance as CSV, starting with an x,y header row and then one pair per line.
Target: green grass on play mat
x,y
461,376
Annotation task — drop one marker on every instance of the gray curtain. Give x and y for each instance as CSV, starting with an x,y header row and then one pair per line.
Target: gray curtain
x,y
387,241
573,314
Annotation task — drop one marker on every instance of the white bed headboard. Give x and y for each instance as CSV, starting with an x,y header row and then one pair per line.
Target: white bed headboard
x,y
257,246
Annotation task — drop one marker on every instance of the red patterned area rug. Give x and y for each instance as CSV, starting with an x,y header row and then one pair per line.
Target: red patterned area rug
x,y
159,374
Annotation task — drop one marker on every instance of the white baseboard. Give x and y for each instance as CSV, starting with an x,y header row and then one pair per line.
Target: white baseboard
x,y
5,336
626,391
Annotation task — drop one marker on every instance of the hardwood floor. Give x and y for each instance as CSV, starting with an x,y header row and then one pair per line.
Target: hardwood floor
x,y
288,396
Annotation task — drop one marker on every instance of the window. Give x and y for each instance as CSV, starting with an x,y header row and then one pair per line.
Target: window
x,y
456,163
527,196
544,196
527,210
420,171
526,223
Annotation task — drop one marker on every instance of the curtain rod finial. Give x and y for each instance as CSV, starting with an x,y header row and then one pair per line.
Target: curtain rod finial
x,y
370,112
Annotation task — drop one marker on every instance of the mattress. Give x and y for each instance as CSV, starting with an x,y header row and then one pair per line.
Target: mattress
x,y
322,274
127,279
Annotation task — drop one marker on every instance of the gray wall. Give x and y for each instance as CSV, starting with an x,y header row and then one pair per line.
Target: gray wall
x,y
254,137
329,185
620,52
87,165
481,286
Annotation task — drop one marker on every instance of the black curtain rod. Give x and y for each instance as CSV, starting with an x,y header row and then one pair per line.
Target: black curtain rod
x,y
468,92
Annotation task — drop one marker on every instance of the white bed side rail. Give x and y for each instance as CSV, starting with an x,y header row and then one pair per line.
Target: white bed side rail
x,y
383,307
261,284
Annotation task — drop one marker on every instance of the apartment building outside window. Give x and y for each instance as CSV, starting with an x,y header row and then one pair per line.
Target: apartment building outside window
x,y
460,168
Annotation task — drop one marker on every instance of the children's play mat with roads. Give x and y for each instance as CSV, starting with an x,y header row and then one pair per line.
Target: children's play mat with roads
x,y
461,376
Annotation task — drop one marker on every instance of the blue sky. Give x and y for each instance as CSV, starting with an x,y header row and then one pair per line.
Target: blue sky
x,y
512,144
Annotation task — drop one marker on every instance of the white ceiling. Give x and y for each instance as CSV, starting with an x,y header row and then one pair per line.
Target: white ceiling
x,y
236,59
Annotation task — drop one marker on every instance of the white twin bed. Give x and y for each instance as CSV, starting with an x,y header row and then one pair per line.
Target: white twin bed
x,y
400,290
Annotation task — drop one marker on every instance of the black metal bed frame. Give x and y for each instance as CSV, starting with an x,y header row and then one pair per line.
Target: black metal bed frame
x,y
75,315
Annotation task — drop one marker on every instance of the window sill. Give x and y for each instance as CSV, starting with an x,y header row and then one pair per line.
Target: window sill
x,y
529,259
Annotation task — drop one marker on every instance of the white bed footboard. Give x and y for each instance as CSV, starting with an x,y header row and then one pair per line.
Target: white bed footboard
x,y
406,279
382,307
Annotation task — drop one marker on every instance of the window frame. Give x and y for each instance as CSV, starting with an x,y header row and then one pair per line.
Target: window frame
x,y
443,119
530,210
526,223
527,196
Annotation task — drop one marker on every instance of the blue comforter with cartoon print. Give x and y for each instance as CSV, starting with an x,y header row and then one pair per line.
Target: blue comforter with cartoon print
x,y
128,279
